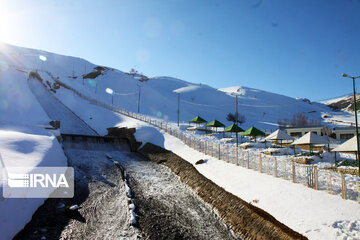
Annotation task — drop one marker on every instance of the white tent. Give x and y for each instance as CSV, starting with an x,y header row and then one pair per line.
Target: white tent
x,y
310,138
348,146
279,135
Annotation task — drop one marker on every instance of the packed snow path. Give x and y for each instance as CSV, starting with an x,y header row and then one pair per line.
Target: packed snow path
x,y
69,122
167,209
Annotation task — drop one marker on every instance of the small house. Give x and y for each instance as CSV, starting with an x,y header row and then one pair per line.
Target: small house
x,y
344,133
301,131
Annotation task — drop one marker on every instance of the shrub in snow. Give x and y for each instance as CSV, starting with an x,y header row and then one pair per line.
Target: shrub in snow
x,y
200,161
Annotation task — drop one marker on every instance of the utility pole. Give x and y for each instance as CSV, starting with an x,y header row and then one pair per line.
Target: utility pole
x,y
178,111
84,75
73,73
138,99
356,121
236,112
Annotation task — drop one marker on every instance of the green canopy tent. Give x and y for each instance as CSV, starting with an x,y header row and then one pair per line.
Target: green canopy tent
x,y
253,132
197,120
215,123
234,128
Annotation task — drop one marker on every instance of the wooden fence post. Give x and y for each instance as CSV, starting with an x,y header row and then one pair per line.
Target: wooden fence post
x,y
212,149
343,186
275,170
248,159
243,158
227,153
293,171
316,177
219,151
205,147
237,156
260,163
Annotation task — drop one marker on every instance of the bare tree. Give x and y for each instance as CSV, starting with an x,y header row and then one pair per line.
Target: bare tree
x,y
236,118
298,120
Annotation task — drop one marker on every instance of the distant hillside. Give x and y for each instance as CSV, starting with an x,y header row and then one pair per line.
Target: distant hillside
x,y
158,99
345,103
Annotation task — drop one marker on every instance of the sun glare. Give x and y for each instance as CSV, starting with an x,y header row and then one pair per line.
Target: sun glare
x,y
42,58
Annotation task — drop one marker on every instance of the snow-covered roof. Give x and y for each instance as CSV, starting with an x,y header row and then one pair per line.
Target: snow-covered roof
x,y
344,128
311,138
279,135
305,127
348,146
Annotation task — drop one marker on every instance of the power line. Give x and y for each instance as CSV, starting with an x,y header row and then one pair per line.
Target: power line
x,y
125,94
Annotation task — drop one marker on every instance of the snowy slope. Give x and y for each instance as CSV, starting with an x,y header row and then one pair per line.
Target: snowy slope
x,y
345,103
262,109
17,102
23,142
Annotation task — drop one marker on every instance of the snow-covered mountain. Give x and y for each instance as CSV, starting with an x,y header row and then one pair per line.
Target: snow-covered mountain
x,y
345,103
261,109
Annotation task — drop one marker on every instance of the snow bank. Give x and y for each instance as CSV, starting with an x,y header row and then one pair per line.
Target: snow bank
x,y
23,143
24,147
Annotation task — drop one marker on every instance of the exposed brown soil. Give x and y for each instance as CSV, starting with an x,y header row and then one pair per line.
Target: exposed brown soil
x,y
92,75
346,104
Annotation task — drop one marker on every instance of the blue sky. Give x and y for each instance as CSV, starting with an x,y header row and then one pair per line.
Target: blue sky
x,y
295,48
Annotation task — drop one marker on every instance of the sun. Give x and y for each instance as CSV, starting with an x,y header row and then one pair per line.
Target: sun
x,y
9,25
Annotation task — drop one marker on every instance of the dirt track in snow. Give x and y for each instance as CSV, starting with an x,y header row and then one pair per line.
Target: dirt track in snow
x,y
168,209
